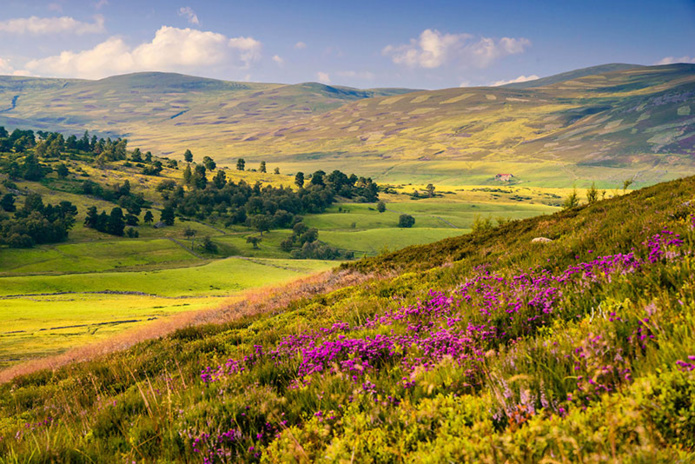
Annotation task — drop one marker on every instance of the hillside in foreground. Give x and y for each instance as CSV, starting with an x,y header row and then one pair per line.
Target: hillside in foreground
x,y
577,347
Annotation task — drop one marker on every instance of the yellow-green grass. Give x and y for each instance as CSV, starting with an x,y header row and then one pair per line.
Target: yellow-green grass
x,y
97,256
217,278
375,241
428,213
36,326
46,314
269,247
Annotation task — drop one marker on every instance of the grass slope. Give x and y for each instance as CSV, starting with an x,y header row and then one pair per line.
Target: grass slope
x,y
578,349
626,122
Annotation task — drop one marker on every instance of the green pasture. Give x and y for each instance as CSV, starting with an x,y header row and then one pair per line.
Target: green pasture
x,y
97,256
375,241
217,278
40,326
48,314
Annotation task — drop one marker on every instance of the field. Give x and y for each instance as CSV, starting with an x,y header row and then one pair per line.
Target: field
x,y
47,314
578,349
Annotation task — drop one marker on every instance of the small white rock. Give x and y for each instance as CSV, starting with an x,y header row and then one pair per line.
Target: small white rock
x,y
541,240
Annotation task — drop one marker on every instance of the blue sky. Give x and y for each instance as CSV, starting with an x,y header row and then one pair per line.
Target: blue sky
x,y
418,44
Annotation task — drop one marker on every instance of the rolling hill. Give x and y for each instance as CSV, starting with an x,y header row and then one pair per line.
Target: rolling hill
x,y
577,348
575,128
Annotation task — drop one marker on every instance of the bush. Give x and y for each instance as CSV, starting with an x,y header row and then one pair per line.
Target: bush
x,y
406,221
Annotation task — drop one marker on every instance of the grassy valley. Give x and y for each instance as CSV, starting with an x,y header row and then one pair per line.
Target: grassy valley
x,y
566,337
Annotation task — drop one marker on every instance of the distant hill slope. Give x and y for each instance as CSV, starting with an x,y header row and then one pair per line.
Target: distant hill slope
x,y
576,128
576,74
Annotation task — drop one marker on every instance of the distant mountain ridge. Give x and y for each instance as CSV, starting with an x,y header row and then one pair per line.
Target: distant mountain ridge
x,y
571,75
604,123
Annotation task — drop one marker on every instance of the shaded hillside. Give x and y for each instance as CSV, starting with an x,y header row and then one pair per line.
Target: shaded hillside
x,y
588,336
571,75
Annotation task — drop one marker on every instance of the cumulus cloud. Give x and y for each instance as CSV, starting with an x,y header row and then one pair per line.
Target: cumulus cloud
x,y
278,59
44,26
522,78
673,60
188,13
300,45
356,74
323,77
434,49
172,49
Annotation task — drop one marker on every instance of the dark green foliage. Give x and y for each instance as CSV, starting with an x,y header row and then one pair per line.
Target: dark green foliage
x,y
253,240
36,223
167,216
299,179
209,163
240,164
209,245
188,156
406,220
7,203
62,171
262,167
381,206
149,217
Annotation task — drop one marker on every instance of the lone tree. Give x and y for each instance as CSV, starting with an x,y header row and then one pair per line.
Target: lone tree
x,y
571,201
209,163
167,216
430,190
149,217
261,223
262,167
592,194
299,179
381,206
190,233
406,221
188,156
253,240
240,164
62,171
276,171
209,245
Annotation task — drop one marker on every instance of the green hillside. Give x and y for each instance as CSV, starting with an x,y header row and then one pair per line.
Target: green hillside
x,y
488,347
571,75
605,124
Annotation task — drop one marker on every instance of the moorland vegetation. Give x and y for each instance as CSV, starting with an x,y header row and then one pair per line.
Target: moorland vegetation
x,y
486,347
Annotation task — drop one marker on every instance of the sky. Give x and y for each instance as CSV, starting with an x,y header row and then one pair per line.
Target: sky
x,y
425,44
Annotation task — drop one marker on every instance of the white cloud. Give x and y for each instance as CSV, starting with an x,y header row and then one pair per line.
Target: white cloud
x,y
42,26
100,4
278,59
673,59
5,67
356,74
300,45
323,77
434,49
188,13
532,77
172,49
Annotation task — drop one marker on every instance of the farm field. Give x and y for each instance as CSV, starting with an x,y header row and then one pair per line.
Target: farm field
x,y
47,314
